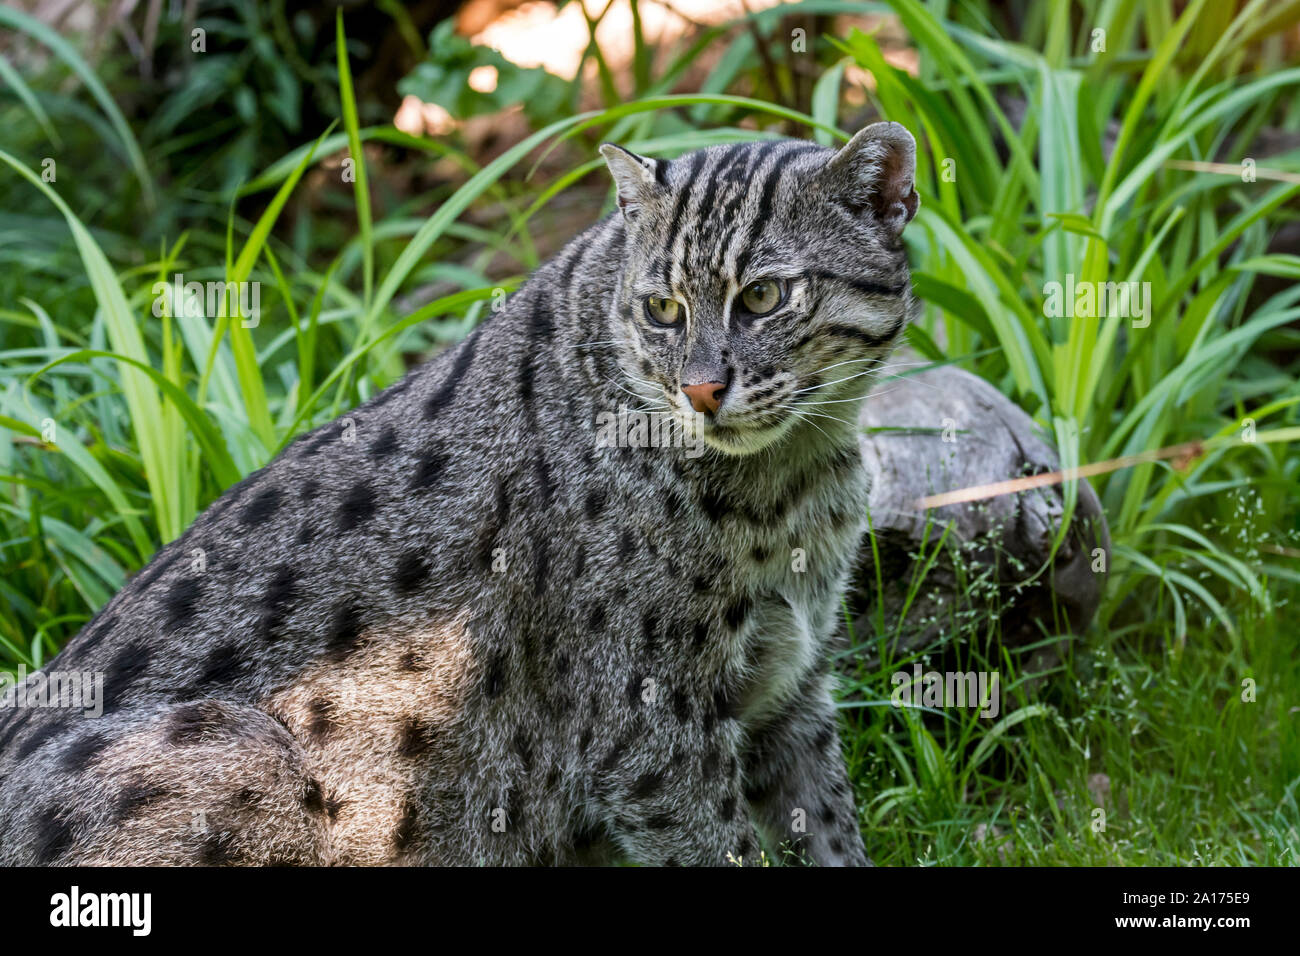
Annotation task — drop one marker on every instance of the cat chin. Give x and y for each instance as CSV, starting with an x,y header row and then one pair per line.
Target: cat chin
x,y
739,441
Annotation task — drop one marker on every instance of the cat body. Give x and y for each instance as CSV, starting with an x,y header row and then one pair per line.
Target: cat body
x,y
457,626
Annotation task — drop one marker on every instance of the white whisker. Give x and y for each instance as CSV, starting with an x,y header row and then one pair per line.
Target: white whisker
x,y
798,410
899,378
624,388
838,381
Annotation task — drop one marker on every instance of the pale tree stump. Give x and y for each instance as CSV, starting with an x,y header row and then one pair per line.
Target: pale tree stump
x,y
996,547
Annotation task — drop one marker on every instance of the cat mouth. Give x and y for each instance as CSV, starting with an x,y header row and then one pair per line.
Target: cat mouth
x,y
738,437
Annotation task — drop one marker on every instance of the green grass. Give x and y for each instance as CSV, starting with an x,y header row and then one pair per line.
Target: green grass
x,y
1155,732
153,417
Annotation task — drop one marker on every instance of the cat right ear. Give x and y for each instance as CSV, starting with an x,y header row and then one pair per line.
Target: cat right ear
x,y
874,173
638,179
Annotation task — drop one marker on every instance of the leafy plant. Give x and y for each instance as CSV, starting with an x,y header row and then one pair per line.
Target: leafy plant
x,y
444,78
1041,157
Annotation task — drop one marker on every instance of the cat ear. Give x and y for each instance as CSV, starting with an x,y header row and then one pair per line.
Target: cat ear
x,y
874,172
637,178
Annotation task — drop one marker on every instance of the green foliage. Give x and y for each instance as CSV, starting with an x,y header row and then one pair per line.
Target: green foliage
x,y
443,78
120,422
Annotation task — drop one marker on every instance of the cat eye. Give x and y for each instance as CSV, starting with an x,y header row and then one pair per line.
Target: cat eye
x,y
663,311
763,296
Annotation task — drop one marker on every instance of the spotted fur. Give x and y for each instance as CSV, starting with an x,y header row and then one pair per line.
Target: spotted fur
x,y
451,628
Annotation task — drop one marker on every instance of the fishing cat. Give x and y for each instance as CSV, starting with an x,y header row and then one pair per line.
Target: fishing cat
x,y
469,623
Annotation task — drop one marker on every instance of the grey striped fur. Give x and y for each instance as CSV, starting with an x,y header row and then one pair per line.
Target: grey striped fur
x,y
451,628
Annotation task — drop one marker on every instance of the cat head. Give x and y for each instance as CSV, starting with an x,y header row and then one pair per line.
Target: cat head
x,y
763,283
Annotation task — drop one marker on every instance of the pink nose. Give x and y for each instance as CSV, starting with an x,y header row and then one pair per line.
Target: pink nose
x,y
704,397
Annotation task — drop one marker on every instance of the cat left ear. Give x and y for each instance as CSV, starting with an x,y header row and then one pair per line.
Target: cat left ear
x,y
636,177
875,172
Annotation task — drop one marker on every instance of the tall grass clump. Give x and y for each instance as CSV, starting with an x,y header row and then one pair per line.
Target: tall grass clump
x,y
1089,143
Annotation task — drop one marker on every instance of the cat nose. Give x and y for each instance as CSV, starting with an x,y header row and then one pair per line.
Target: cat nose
x,y
705,397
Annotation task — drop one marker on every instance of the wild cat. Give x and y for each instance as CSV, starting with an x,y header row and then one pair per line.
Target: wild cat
x,y
456,627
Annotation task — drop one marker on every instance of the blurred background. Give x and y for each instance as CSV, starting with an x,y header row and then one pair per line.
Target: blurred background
x,y
385,172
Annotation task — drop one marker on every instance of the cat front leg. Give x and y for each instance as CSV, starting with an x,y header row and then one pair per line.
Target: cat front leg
x,y
797,784
678,800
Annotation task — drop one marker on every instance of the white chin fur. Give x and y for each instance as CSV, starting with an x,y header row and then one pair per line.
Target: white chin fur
x,y
747,442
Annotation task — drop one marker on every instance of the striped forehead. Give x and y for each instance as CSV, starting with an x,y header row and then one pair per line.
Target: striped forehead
x,y
721,202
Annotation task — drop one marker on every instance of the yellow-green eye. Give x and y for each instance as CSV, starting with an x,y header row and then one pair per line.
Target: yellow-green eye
x,y
663,311
761,297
